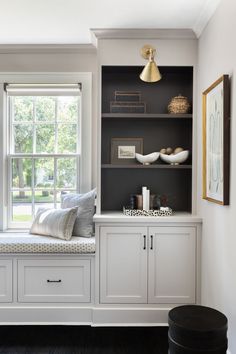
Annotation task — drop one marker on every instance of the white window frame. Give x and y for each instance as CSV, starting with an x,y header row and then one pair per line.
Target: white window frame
x,y
85,161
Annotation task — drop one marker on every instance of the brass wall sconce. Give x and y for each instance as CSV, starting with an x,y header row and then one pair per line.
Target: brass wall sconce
x,y
150,72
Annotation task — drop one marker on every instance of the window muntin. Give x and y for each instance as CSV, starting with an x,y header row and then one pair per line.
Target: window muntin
x,y
44,152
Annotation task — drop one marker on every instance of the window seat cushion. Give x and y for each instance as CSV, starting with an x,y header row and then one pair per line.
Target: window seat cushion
x,y
19,242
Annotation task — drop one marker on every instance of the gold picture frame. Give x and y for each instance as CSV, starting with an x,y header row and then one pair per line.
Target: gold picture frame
x,y
216,136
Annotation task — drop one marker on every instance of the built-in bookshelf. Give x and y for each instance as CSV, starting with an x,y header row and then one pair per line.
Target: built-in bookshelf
x,y
157,127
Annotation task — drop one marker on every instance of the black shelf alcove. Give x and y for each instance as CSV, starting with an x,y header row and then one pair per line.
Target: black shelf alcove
x,y
158,129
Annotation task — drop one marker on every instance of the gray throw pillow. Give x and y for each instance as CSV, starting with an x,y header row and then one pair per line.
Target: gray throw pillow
x,y
85,202
57,223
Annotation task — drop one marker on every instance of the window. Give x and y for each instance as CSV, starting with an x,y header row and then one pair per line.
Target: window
x,y
44,150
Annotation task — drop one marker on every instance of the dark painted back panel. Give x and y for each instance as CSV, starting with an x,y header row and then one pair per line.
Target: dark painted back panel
x,y
118,184
177,80
156,133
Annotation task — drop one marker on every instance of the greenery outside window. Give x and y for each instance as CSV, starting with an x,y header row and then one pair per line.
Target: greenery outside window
x,y
44,147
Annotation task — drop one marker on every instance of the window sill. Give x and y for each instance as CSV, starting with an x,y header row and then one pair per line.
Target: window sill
x,y
15,231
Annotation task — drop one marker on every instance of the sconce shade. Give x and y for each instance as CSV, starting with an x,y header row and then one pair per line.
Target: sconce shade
x,y
150,72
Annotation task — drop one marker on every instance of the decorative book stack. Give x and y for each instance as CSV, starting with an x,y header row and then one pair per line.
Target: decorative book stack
x,y
143,203
127,102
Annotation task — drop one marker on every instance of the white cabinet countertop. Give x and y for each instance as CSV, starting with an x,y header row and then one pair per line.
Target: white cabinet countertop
x,y
177,217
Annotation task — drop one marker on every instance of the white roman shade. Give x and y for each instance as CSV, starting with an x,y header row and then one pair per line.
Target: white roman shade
x,y
43,89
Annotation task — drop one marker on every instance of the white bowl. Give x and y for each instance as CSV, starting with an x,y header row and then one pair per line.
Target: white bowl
x,y
147,159
175,159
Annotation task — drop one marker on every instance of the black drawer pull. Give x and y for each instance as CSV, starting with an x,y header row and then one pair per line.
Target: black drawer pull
x,y
151,248
144,242
53,281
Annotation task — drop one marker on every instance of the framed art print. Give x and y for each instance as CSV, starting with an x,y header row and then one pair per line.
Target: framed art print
x,y
216,135
123,150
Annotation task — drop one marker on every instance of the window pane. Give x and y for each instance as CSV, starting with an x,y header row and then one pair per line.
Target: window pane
x,y
44,173
68,109
21,173
23,108
45,108
67,138
45,138
66,173
21,206
23,138
44,196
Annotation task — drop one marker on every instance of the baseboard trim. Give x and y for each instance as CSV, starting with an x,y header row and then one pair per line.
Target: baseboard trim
x,y
130,317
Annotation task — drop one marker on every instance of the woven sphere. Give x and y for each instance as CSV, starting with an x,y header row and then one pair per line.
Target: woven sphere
x,y
179,104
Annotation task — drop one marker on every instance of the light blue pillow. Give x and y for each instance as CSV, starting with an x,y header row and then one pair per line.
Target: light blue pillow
x,y
83,225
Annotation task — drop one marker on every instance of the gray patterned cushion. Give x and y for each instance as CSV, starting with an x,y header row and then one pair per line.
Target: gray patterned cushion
x,y
54,222
84,221
25,243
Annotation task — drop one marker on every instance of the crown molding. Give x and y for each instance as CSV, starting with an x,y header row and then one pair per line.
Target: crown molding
x,y
205,15
137,33
47,48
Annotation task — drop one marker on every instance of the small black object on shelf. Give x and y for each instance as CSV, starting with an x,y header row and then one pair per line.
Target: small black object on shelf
x,y
133,201
195,329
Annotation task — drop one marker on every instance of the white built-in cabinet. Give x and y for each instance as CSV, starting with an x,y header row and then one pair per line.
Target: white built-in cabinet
x,y
142,268
141,264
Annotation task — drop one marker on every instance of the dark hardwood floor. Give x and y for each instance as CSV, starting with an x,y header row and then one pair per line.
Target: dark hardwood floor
x,y
82,340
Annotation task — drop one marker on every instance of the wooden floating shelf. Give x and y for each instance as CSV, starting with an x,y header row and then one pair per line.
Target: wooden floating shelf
x,y
146,115
148,166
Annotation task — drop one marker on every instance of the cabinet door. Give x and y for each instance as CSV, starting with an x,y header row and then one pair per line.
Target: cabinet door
x,y
172,258
5,280
123,265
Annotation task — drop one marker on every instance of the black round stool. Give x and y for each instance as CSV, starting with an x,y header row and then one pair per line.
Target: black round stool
x,y
197,329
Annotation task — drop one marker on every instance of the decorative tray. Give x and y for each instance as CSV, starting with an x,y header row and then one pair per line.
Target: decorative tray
x,y
139,212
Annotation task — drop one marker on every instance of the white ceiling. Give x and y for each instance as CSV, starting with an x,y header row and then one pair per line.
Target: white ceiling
x,y
69,21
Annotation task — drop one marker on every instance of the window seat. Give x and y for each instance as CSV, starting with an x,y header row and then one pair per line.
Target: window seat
x,y
19,242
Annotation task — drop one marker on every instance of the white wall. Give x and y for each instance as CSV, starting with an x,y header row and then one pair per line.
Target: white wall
x,y
217,56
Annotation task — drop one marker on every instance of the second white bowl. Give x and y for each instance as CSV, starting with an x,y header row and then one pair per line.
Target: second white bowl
x,y
175,159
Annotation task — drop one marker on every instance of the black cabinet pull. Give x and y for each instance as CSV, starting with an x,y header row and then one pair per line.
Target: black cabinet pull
x,y
144,242
151,247
53,281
